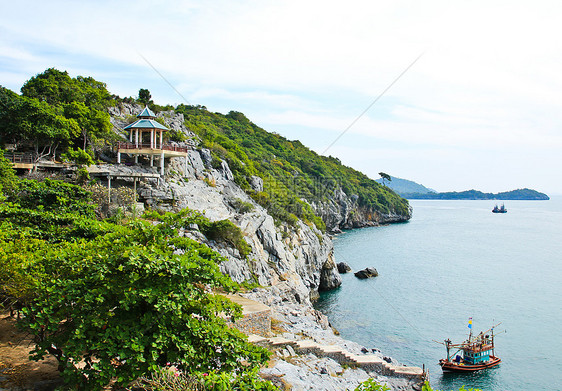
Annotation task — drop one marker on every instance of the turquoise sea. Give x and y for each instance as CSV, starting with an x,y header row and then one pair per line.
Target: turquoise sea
x,y
454,260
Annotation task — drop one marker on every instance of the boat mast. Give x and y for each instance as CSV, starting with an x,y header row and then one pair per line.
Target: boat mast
x,y
493,351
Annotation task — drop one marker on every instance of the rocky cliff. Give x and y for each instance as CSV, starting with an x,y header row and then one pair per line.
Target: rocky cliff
x,y
343,211
301,255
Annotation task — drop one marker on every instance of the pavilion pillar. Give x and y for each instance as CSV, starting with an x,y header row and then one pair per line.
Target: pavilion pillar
x,y
131,136
137,143
118,157
152,139
161,140
162,163
136,159
109,189
151,160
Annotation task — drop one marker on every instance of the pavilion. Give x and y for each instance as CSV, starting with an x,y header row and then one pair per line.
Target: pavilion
x,y
146,137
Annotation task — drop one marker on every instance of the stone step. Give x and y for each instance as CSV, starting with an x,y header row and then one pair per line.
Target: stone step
x,y
339,354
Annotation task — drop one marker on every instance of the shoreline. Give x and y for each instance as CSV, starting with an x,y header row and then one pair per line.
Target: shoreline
x,y
301,323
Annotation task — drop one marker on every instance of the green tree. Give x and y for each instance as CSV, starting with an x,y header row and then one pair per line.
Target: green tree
x,y
129,302
56,88
25,120
94,124
82,99
384,177
144,96
52,86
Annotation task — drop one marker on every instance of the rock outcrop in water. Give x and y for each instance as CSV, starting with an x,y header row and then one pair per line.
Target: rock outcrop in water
x,y
343,268
367,273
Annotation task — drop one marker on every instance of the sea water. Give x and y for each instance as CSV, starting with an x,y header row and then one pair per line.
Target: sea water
x,y
454,260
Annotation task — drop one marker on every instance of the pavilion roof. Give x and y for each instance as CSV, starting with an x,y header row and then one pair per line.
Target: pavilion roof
x,y
146,124
146,113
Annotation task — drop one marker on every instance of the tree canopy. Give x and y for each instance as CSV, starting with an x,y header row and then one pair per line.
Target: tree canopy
x,y
144,96
55,112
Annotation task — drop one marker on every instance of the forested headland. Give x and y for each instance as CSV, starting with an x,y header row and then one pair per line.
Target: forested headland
x,y
128,296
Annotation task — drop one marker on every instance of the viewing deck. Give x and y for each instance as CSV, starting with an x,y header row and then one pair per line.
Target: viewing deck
x,y
147,149
26,161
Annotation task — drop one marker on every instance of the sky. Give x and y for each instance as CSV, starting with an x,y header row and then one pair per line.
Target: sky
x,y
455,95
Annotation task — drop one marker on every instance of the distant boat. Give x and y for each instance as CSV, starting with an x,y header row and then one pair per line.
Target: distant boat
x,y
500,209
477,353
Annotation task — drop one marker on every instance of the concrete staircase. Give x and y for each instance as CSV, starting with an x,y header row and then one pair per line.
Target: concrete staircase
x,y
368,362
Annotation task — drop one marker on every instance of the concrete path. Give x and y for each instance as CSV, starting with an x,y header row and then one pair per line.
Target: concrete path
x,y
368,362
257,314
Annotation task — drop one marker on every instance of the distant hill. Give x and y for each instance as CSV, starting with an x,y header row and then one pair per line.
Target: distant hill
x,y
404,186
520,194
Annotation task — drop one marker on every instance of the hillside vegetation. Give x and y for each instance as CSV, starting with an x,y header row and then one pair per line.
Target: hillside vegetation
x,y
294,176
64,118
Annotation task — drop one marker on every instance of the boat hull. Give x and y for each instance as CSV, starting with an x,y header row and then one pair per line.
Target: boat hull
x,y
450,366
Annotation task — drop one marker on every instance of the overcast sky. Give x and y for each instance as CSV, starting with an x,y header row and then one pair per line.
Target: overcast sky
x,y
481,108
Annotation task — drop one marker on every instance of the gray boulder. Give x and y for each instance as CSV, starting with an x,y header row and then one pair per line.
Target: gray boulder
x,y
329,276
343,268
367,273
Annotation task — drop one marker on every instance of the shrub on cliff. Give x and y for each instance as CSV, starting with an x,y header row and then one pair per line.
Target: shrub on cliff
x,y
220,231
114,302
128,302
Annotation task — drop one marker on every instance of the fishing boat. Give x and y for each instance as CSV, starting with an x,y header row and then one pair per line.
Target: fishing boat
x,y
477,353
501,209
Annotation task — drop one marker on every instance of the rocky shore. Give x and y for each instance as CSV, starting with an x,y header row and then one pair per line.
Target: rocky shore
x,y
297,322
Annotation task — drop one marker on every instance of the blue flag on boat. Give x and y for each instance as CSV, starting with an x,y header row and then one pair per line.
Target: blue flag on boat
x,y
470,323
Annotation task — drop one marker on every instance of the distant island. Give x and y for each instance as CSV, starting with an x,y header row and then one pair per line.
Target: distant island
x,y
405,186
519,194
414,191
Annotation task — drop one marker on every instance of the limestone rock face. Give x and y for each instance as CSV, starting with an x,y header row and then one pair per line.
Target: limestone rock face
x,y
300,258
329,276
257,183
342,211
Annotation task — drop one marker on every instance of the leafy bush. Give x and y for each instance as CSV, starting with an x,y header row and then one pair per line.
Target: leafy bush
x,y
131,301
242,206
226,231
78,156
172,379
371,385
221,231
8,179
427,387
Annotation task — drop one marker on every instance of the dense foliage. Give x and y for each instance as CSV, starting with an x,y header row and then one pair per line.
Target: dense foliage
x,y
56,112
113,302
291,172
